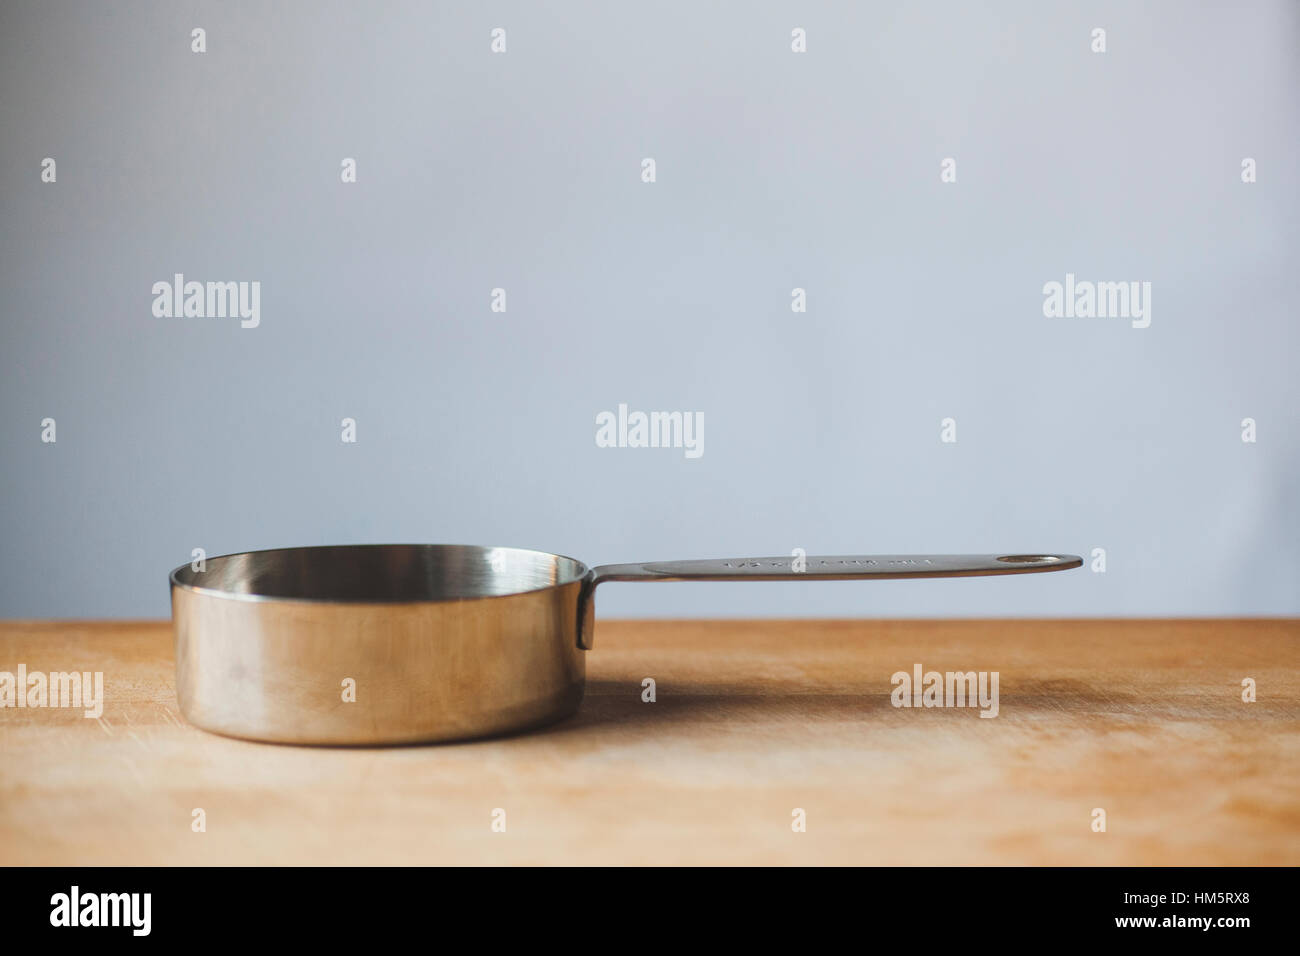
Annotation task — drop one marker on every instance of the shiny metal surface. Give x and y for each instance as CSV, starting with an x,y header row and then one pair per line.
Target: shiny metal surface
x,y
442,642
432,642
815,568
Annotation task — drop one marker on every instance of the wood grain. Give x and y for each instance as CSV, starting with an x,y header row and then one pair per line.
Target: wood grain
x,y
1142,718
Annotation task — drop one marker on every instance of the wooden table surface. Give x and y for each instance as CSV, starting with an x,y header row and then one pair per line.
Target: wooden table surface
x,y
1144,719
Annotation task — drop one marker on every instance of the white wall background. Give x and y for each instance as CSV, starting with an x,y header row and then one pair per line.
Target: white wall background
x,y
775,170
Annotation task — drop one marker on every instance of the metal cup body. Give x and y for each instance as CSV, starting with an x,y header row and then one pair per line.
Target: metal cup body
x,y
380,672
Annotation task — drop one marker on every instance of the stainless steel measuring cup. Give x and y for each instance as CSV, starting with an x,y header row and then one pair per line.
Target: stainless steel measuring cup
x,y
411,643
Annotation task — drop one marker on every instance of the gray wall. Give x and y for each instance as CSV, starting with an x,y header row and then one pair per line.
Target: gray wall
x,y
775,170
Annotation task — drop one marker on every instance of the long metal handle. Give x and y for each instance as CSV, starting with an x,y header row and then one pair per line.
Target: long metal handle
x,y
821,568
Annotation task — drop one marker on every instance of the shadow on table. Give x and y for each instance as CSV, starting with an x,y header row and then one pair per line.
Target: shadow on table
x,y
618,706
